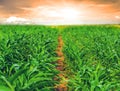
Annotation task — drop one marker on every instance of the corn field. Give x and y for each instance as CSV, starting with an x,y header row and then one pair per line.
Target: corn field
x,y
28,58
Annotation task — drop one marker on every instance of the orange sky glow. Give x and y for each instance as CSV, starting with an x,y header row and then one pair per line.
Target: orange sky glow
x,y
60,11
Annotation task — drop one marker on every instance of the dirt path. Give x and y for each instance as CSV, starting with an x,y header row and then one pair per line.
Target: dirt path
x,y
62,86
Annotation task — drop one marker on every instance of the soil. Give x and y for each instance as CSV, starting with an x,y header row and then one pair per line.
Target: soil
x,y
62,86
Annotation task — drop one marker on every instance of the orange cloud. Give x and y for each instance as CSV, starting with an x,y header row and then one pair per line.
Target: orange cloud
x,y
52,10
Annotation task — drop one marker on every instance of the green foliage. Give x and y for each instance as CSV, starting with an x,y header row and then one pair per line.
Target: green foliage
x,y
27,58
92,57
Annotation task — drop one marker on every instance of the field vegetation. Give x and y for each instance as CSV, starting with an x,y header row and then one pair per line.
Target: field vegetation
x,y
28,57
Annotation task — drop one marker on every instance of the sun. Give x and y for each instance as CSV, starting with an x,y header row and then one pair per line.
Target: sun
x,y
66,13
57,14
69,13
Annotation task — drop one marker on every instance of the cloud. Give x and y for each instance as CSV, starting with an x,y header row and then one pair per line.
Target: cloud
x,y
97,1
16,20
18,7
115,3
49,10
107,1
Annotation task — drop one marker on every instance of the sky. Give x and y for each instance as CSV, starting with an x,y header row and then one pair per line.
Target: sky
x,y
60,11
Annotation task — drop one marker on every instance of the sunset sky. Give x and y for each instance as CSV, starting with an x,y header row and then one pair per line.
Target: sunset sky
x,y
60,11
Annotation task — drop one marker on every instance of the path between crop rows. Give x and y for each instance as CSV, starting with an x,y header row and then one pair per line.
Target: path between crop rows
x,y
62,86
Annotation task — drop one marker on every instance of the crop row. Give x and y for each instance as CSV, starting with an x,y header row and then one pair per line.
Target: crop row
x,y
92,57
27,58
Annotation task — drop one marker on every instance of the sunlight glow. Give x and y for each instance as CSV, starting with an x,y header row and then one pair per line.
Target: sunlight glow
x,y
66,13
117,17
69,13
